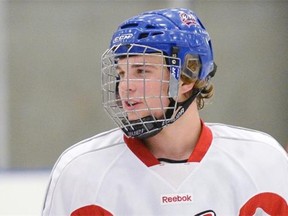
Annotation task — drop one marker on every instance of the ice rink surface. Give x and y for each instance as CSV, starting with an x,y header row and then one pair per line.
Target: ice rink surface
x,y
22,192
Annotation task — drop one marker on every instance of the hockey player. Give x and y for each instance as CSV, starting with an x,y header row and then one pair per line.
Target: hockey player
x,y
163,159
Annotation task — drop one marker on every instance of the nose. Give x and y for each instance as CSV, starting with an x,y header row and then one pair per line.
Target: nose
x,y
126,86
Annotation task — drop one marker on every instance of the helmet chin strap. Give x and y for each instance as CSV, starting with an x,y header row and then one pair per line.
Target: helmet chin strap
x,y
147,126
142,128
181,106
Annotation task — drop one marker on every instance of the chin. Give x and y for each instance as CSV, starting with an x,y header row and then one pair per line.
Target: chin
x,y
133,116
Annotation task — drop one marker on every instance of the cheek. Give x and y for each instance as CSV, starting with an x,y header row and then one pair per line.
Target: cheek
x,y
156,95
156,88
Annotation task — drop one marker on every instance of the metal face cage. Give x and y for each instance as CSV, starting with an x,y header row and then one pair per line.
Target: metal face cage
x,y
133,112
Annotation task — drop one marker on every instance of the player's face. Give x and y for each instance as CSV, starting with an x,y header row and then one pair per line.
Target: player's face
x,y
143,86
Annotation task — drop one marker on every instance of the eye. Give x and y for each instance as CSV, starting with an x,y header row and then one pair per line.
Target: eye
x,y
121,74
141,71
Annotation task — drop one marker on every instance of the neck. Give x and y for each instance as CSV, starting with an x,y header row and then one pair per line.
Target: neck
x,y
177,140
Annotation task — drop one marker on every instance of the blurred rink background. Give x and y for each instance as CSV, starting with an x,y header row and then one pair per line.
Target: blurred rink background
x,y
50,95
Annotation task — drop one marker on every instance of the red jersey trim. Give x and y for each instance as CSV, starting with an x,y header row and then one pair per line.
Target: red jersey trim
x,y
203,144
91,210
142,152
271,203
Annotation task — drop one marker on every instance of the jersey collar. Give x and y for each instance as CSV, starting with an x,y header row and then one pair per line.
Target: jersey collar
x,y
142,152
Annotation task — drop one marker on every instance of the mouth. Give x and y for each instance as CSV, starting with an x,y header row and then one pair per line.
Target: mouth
x,y
131,104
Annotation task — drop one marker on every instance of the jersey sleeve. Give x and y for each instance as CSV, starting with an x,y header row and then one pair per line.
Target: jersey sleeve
x,y
79,169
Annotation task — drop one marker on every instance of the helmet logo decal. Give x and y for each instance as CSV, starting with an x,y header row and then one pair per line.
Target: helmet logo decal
x,y
175,71
122,38
187,19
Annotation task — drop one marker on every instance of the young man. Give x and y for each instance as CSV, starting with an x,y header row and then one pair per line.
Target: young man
x,y
163,159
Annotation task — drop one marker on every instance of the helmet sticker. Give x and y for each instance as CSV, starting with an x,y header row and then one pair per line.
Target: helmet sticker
x,y
187,19
175,71
122,38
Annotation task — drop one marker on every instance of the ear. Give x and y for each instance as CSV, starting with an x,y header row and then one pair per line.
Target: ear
x,y
185,90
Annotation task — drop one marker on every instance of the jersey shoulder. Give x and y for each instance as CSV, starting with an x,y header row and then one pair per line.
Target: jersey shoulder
x,y
229,134
251,154
77,164
99,143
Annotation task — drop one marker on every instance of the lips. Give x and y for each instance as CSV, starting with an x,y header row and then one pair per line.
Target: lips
x,y
131,104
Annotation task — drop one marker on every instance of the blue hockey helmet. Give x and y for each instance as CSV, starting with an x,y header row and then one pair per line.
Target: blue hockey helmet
x,y
177,32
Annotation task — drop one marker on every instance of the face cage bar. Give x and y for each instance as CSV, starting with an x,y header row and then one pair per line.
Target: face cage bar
x,y
111,100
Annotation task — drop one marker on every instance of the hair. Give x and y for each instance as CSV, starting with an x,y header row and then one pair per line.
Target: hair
x,y
207,90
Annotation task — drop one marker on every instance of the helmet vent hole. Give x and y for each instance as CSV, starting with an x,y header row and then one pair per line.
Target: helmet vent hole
x,y
130,25
157,33
150,27
143,35
146,34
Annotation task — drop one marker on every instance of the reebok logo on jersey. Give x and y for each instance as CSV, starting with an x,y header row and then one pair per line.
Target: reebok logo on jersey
x,y
176,199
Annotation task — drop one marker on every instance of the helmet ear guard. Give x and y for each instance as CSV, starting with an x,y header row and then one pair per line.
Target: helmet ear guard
x,y
191,67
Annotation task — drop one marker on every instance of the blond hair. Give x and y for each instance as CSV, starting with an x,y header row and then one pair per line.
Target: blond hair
x,y
207,89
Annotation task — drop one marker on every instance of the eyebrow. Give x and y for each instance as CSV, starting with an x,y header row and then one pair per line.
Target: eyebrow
x,y
136,65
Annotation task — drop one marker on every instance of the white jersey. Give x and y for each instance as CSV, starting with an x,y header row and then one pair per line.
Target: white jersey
x,y
232,171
